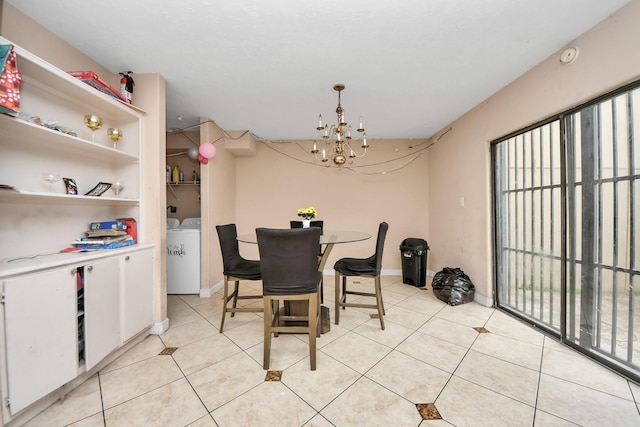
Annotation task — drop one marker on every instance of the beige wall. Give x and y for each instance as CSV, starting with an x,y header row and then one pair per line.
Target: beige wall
x,y
459,166
150,95
218,204
22,30
272,185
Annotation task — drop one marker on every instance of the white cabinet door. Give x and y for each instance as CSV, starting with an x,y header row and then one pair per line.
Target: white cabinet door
x,y
102,309
40,333
137,290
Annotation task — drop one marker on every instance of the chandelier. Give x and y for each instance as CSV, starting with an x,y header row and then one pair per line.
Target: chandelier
x,y
338,138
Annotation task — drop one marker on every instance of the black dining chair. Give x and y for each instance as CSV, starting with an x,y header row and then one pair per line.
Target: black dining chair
x,y
235,269
320,224
362,267
298,224
289,266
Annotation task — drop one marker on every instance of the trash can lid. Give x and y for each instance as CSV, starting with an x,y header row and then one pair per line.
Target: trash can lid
x,y
414,243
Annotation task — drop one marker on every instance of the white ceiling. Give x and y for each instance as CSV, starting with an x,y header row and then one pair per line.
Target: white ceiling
x,y
410,66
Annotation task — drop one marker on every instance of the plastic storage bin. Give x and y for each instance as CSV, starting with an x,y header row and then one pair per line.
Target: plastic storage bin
x,y
414,261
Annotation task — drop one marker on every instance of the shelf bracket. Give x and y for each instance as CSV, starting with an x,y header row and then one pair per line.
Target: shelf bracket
x,y
172,191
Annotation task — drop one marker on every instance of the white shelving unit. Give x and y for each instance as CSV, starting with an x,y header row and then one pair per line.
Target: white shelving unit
x,y
51,334
40,217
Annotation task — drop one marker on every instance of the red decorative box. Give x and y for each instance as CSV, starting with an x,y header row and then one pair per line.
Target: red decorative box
x,y
93,80
132,228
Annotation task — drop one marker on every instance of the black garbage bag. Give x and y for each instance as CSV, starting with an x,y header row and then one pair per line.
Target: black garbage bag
x,y
452,286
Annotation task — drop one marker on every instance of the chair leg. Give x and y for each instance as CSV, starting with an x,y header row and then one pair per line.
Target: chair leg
x,y
235,296
337,298
379,301
224,302
313,323
267,332
275,314
319,314
344,290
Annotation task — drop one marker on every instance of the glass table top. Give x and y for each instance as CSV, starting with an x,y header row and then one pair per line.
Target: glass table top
x,y
327,237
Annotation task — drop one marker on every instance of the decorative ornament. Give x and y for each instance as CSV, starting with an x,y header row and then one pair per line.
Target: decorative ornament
x,y
193,153
207,150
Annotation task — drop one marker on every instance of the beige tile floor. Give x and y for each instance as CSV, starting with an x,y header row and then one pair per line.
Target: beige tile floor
x,y
430,353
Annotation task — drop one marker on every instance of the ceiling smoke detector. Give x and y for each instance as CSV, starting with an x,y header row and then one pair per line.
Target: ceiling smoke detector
x,y
569,55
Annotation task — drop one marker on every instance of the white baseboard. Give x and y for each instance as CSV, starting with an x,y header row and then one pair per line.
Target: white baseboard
x,y
206,293
160,328
331,272
483,300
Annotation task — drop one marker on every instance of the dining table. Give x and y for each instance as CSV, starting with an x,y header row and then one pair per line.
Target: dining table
x,y
328,239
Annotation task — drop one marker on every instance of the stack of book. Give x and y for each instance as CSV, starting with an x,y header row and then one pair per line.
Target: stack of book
x,y
105,235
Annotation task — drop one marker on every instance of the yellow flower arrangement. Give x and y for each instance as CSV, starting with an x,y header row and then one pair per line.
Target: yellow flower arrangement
x,y
307,213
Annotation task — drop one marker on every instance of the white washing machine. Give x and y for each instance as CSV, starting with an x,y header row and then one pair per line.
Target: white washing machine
x,y
183,257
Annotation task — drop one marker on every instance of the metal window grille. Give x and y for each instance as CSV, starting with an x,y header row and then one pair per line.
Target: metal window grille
x,y
567,196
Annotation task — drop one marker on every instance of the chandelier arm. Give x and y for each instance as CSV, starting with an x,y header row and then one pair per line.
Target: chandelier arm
x,y
353,153
358,137
364,153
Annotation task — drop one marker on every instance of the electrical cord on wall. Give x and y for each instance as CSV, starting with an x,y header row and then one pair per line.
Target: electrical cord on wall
x,y
269,144
414,155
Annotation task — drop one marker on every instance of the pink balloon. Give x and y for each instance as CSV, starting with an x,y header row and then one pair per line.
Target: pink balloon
x,y
207,150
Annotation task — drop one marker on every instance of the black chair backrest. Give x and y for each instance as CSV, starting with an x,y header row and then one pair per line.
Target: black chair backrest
x,y
298,224
319,224
289,260
231,259
382,234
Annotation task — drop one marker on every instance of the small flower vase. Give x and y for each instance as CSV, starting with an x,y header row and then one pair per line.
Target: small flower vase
x,y
306,223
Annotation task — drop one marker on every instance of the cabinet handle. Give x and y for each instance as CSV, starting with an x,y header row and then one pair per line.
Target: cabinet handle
x,y
126,258
74,271
90,268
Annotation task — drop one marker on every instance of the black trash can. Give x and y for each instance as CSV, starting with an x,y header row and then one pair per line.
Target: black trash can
x,y
414,261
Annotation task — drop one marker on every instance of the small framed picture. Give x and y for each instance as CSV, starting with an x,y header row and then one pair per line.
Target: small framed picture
x,y
100,188
70,185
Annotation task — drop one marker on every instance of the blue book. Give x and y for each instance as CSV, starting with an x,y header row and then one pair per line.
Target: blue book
x,y
105,245
108,225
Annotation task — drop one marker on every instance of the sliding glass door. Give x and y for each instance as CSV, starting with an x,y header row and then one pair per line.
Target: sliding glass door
x,y
529,224
567,199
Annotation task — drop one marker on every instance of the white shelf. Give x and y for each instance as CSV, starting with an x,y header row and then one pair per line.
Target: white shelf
x,y
32,136
21,196
42,261
54,80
